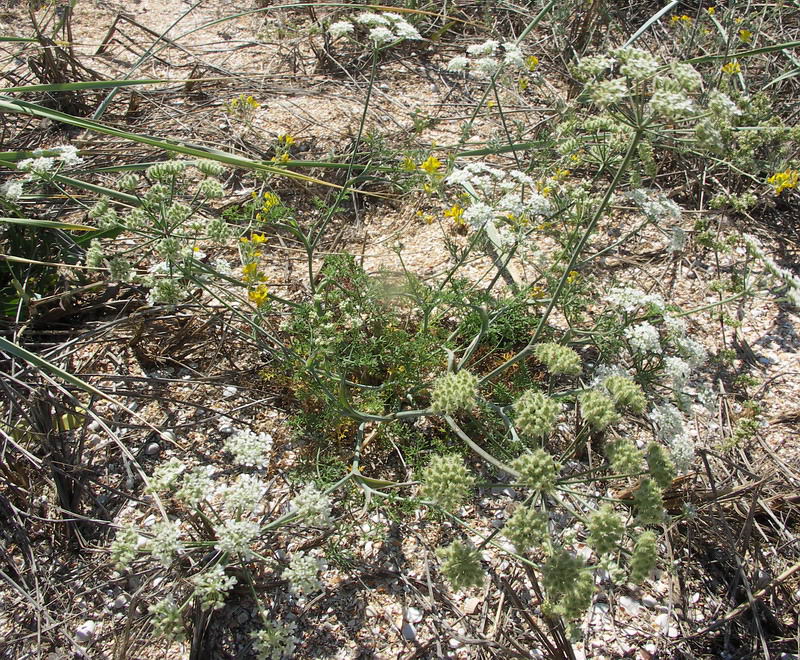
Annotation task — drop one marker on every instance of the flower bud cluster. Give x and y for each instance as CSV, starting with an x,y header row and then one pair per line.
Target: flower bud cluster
x,y
660,465
537,470
649,502
536,414
625,393
625,458
211,587
605,530
598,410
526,528
274,640
558,359
644,557
302,574
461,565
453,392
568,583
446,481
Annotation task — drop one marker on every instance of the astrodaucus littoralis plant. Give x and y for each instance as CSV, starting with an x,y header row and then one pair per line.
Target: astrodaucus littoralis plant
x,y
493,370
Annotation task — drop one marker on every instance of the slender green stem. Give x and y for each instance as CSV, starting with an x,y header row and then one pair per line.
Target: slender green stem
x,y
601,209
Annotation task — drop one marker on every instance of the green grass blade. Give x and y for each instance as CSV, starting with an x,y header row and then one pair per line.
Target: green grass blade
x,y
50,224
91,84
23,107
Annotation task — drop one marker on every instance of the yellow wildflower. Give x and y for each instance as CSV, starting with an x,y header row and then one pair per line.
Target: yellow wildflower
x,y
270,200
456,213
258,238
746,36
532,62
431,165
783,180
711,11
286,139
408,164
522,84
731,68
259,295
250,272
573,277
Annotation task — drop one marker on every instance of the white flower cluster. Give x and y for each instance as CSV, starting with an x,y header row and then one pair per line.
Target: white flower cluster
x,y
274,641
629,299
670,429
302,574
166,475
384,28
643,338
40,164
787,277
235,536
655,206
312,505
489,58
244,495
498,194
248,448
211,587
196,485
165,543
11,190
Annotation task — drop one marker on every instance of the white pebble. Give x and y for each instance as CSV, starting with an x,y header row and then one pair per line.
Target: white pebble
x,y
413,615
229,391
85,632
152,449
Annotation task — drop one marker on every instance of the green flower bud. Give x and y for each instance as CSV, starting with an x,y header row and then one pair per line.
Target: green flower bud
x,y
649,503
453,392
644,557
210,167
568,584
526,528
94,255
598,410
166,170
537,470
558,359
660,464
461,565
625,394
128,182
446,481
624,456
605,530
536,414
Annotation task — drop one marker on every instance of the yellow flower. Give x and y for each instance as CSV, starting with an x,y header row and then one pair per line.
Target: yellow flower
x,y
259,295
456,213
711,11
573,277
270,200
522,84
783,180
286,139
746,36
731,68
408,164
490,103
431,165
561,174
250,272
532,62
258,238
